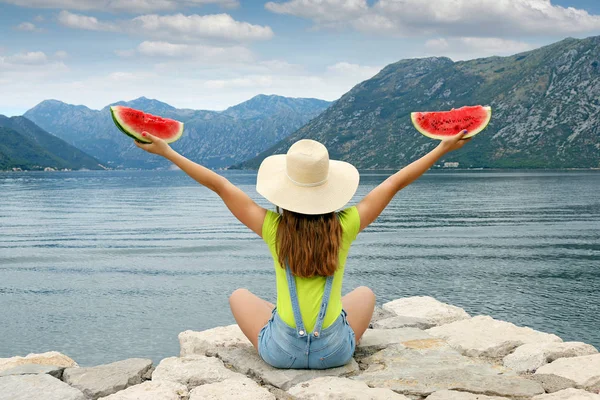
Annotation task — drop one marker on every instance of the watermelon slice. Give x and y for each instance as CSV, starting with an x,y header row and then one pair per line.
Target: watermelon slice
x,y
441,124
133,122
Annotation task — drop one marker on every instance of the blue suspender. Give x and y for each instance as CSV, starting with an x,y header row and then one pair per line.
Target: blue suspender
x,y
296,306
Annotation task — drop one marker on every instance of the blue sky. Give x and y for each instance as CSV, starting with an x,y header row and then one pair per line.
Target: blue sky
x,y
211,54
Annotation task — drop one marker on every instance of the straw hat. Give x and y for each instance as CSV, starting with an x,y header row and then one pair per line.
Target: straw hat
x,y
306,181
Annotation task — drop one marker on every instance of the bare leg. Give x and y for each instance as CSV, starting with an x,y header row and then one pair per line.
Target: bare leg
x,y
250,312
359,305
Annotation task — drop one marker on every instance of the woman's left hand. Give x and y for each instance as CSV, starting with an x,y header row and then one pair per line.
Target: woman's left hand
x,y
158,146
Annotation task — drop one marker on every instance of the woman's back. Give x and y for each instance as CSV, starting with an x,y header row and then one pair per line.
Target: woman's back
x,y
310,290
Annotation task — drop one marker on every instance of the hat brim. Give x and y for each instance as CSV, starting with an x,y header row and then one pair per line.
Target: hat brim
x,y
274,185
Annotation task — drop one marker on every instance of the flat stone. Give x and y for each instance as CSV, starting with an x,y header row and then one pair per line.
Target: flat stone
x,y
242,388
29,369
403,322
247,361
427,308
34,387
574,372
483,336
568,394
192,371
335,388
49,358
529,357
379,314
103,380
428,369
454,395
378,339
209,341
152,390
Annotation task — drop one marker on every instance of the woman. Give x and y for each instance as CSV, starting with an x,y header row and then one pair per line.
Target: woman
x,y
312,326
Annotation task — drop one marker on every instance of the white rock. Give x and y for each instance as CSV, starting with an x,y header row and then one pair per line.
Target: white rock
x,y
402,322
483,336
377,339
247,361
152,390
49,358
208,341
568,394
30,369
428,308
454,395
37,387
232,389
192,371
579,372
106,379
334,388
529,357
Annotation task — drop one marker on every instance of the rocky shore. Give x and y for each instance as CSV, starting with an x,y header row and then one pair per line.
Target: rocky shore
x,y
417,348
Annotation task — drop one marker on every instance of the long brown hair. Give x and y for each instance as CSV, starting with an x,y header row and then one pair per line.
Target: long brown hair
x,y
309,243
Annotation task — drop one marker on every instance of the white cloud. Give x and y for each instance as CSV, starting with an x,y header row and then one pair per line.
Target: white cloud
x,y
485,18
204,54
78,21
30,58
39,18
193,27
61,54
133,6
27,27
323,12
465,48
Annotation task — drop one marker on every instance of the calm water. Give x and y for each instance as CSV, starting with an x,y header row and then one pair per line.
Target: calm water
x,y
108,265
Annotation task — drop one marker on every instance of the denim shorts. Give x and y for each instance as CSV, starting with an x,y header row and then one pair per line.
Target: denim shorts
x,y
280,346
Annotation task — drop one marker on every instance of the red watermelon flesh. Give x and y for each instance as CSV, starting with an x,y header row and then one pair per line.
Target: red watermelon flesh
x,y
134,122
442,124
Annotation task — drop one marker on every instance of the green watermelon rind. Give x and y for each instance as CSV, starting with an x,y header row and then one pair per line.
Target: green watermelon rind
x,y
439,137
138,136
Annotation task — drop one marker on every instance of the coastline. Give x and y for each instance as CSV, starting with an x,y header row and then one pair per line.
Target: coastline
x,y
416,348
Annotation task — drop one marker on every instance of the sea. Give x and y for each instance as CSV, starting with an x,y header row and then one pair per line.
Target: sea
x,y
108,265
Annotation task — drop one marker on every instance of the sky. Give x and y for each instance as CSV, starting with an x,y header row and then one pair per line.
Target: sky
x,y
212,54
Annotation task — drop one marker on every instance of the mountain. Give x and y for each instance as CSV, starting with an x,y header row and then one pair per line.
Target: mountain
x,y
545,111
212,138
25,145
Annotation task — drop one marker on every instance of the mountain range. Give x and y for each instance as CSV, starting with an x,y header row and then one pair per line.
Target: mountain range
x,y
545,109
212,138
25,145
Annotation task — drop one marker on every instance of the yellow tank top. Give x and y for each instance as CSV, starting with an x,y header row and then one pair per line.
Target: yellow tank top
x,y
310,290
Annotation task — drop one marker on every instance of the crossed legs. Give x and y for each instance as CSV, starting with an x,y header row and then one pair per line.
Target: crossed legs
x,y
252,313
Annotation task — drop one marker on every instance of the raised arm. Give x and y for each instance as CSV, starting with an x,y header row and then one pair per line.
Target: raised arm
x,y
239,203
373,204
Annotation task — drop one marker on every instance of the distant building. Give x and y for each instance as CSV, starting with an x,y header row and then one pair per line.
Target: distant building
x,y
451,165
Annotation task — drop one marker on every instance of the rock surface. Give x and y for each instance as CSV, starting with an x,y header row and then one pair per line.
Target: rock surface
x,y
436,366
568,394
529,357
334,388
209,341
30,369
379,313
232,389
49,358
192,371
37,387
483,336
454,395
378,339
152,390
575,372
427,308
247,361
402,322
106,379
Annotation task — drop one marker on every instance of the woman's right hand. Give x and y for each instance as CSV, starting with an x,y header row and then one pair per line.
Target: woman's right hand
x,y
454,142
156,145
